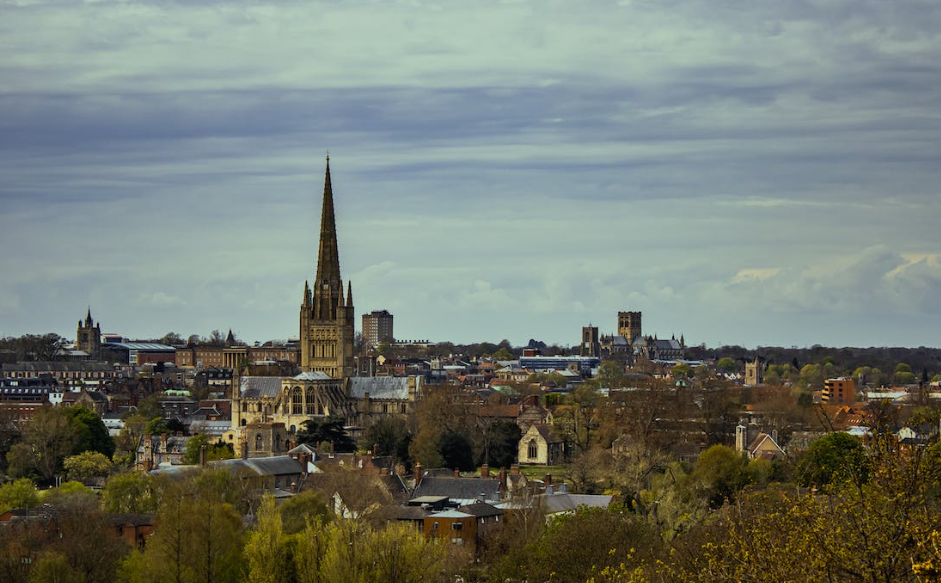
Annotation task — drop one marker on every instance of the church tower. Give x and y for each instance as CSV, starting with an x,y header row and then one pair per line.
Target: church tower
x,y
326,316
88,336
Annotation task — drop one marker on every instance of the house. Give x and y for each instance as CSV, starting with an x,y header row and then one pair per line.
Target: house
x,y
154,450
460,491
540,445
764,447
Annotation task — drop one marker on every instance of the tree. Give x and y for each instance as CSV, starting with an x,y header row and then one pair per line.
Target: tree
x,y
53,567
90,431
68,494
172,339
456,452
298,510
19,494
727,365
214,451
132,493
390,434
329,430
719,475
266,548
833,460
47,440
501,443
86,465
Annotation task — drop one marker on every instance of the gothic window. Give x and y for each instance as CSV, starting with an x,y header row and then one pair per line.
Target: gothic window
x,y
311,404
533,449
296,402
259,443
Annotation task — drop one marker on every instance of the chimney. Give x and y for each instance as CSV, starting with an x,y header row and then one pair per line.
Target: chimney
x,y
503,479
457,473
548,480
202,456
485,471
515,470
293,486
417,473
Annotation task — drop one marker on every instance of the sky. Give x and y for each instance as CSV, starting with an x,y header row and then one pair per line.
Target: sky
x,y
753,172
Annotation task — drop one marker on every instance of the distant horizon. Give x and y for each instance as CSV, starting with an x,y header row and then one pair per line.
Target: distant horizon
x,y
745,174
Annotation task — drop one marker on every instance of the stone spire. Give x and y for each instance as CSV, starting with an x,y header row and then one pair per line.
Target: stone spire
x,y
88,320
349,294
327,284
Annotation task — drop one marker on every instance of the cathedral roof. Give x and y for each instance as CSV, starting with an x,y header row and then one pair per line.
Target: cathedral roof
x,y
313,376
258,387
379,387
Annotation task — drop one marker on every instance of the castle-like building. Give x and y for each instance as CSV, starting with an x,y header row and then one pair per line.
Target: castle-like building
x,y
88,336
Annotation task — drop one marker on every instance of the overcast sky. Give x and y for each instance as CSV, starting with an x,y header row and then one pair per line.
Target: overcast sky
x,y
756,172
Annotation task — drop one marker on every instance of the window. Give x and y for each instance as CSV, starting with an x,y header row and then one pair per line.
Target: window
x,y
311,402
457,526
533,449
296,401
259,443
434,525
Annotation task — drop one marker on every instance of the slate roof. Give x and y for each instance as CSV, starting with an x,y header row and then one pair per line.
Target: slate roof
x,y
556,503
257,387
458,488
313,376
481,509
280,465
379,387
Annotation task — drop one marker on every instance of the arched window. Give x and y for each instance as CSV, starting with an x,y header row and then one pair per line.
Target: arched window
x,y
259,442
533,449
311,405
297,402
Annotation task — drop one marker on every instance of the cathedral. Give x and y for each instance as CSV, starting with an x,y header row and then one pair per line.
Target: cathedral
x,y
325,386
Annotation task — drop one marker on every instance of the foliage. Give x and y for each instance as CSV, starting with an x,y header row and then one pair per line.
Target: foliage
x,y
297,510
90,432
605,537
455,450
390,434
266,548
501,443
131,492
331,430
159,425
727,365
19,494
69,493
47,440
833,460
720,473
86,465
214,451
53,567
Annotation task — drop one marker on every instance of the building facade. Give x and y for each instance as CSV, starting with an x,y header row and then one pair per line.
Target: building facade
x,y
377,328
629,325
591,344
326,318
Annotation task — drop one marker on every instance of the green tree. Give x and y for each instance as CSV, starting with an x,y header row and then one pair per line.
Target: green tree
x,y
90,432
266,548
19,494
53,567
719,474
390,434
727,365
456,451
217,450
330,430
87,465
298,510
131,492
833,460
47,440
69,493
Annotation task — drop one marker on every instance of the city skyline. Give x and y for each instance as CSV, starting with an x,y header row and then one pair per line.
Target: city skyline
x,y
754,174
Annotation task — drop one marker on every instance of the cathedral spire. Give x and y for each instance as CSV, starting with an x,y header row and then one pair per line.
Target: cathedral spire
x,y
327,285
88,320
349,294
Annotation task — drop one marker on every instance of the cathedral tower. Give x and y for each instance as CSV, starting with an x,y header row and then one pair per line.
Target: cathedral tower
x,y
326,316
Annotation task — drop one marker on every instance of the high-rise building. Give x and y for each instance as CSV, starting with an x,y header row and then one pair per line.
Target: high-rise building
x,y
326,321
377,328
629,326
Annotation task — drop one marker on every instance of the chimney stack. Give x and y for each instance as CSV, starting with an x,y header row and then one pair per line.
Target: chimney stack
x,y
485,471
417,473
548,479
457,473
203,456
503,479
515,470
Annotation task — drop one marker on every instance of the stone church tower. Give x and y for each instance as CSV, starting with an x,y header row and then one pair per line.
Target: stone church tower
x,y
88,336
327,326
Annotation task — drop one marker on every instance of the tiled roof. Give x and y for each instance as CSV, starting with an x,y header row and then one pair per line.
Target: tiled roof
x,y
379,387
459,488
